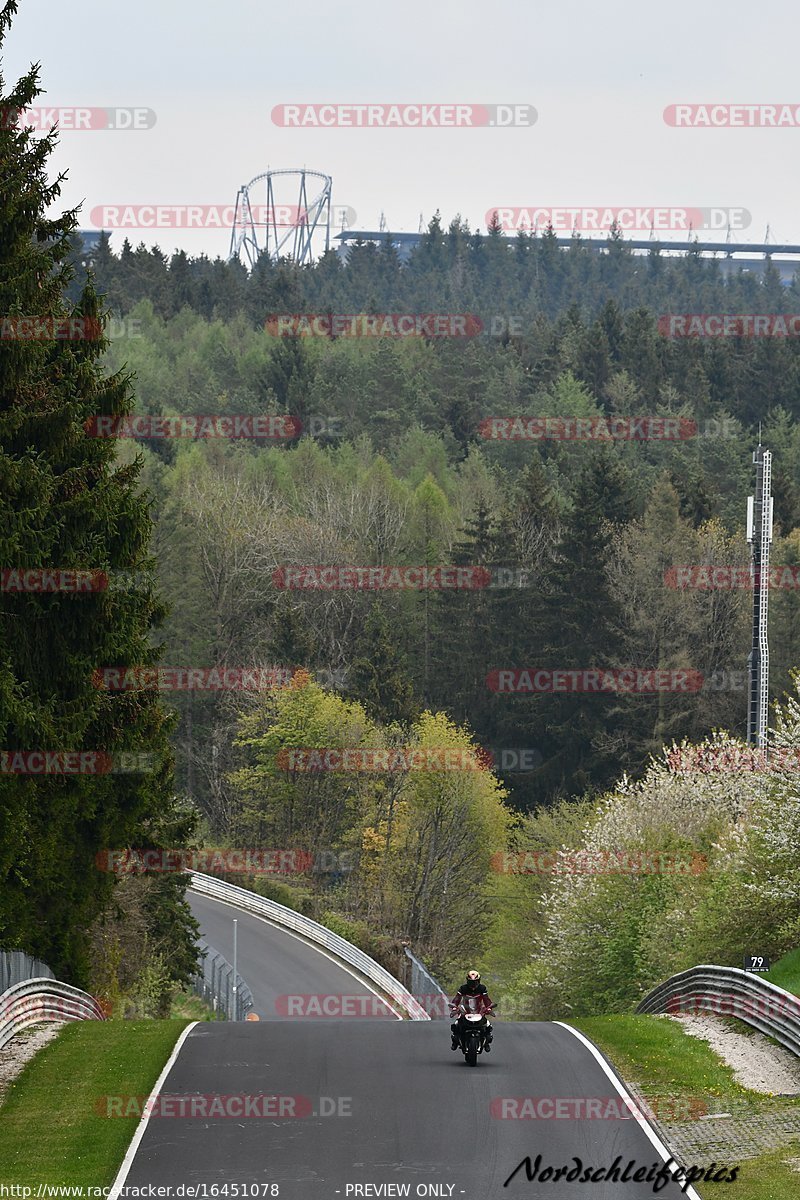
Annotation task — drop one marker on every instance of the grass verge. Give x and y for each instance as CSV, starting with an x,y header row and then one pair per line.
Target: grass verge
x,y
188,1007
658,1058
51,1129
786,972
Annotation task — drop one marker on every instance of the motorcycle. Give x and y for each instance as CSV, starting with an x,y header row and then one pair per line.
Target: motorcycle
x,y
471,1032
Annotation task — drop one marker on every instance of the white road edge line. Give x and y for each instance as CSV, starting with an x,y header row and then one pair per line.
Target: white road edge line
x,y
618,1084
127,1161
311,946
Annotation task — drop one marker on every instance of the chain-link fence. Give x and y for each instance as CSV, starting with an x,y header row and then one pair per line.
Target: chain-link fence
x,y
425,989
16,967
214,982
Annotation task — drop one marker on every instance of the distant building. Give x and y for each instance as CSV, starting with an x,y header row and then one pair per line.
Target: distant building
x,y
732,257
403,243
89,241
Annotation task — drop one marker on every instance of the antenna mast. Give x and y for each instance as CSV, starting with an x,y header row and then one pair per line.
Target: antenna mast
x,y
759,535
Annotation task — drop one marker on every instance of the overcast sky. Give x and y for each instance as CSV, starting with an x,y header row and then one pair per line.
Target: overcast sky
x,y
599,76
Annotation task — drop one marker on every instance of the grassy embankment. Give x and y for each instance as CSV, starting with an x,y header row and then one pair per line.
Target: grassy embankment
x,y
51,1125
667,1065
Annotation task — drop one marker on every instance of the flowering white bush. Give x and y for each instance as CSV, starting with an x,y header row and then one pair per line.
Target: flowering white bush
x,y
698,861
773,851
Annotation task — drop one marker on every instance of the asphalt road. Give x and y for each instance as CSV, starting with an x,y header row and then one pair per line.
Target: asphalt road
x,y
276,966
375,1108
403,1109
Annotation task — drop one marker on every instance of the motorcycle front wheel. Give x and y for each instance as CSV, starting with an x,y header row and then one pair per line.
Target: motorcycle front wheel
x,y
471,1053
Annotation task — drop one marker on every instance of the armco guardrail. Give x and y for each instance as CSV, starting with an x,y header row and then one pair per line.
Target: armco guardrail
x,y
730,992
38,1000
315,933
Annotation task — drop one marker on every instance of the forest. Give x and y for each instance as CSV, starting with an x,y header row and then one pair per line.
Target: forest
x,y
590,551
410,567
394,459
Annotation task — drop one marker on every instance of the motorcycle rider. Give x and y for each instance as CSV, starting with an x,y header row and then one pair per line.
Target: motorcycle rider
x,y
477,999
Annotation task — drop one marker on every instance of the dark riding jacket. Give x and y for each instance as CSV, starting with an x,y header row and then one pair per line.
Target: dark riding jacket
x,y
478,994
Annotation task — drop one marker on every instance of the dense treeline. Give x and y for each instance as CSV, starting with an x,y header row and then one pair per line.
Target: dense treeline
x,y
450,270
582,533
343,388
575,540
595,315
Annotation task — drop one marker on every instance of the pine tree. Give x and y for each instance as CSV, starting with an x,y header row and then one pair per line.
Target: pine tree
x,y
525,541
582,629
593,364
378,677
65,503
465,632
288,376
430,527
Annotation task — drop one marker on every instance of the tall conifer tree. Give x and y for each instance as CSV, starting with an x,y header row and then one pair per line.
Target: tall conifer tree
x,y
65,503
